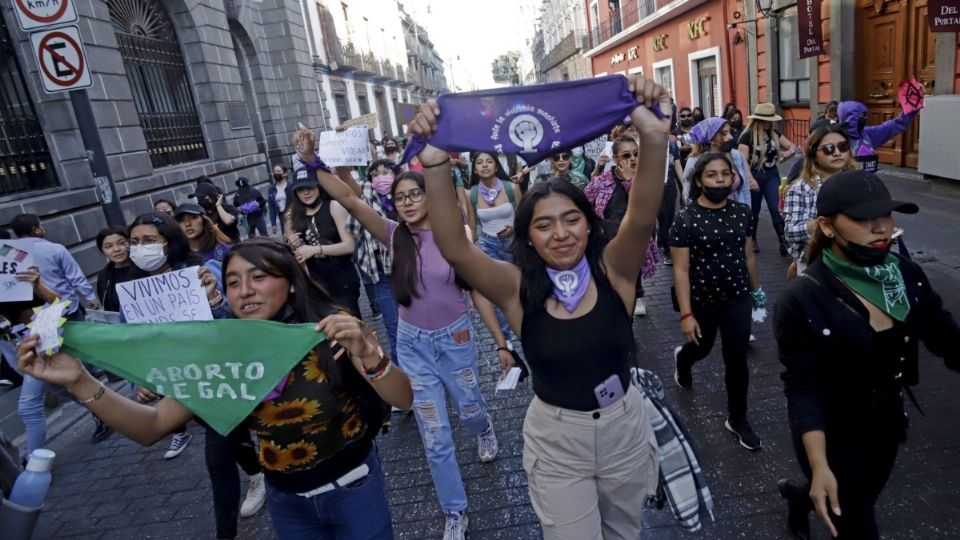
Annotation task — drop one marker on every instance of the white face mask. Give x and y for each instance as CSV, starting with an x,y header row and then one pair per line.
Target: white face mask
x,y
149,257
577,152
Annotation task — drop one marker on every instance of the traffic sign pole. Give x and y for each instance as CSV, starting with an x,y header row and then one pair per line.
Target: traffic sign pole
x,y
103,180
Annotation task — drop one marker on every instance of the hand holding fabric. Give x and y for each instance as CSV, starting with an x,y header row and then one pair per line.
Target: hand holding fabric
x,y
652,115
424,125
61,368
353,336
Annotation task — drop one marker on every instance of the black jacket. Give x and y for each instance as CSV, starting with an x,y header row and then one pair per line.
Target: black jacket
x,y
107,283
837,378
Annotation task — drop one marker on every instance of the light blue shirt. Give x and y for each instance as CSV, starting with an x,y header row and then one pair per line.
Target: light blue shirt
x,y
60,272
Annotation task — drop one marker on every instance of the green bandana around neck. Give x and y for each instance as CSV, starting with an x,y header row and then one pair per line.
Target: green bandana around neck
x,y
220,370
882,285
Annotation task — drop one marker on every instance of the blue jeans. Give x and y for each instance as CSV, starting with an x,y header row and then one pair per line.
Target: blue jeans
x,y
357,511
498,249
769,181
387,304
442,362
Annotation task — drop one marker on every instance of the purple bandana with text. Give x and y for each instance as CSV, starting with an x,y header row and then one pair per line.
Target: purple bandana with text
x,y
532,121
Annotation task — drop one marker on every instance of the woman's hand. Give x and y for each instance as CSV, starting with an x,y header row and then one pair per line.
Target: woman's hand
x,y
145,396
60,368
506,360
505,233
209,282
691,328
295,239
423,125
823,491
754,186
353,335
646,121
31,275
307,252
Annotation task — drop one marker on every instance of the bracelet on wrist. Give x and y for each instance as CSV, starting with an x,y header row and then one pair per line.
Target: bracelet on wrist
x,y
425,166
503,349
382,374
686,316
99,394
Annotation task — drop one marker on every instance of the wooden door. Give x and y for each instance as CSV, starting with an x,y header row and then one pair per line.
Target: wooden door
x,y
893,43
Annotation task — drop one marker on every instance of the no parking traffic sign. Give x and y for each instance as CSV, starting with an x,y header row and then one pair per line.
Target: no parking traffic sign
x,y
62,60
33,14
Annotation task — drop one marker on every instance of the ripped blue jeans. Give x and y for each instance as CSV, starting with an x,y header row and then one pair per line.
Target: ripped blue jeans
x,y
442,362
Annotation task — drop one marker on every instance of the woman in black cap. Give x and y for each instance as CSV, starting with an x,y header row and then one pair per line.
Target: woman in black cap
x,y
206,240
224,216
250,202
848,331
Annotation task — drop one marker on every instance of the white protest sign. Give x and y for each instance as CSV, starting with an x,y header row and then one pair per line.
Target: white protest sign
x,y
345,148
594,148
169,297
14,258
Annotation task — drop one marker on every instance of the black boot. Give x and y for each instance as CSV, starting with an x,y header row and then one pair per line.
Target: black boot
x,y
783,240
798,508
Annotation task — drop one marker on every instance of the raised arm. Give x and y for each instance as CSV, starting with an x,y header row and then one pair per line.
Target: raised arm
x,y
343,189
882,133
624,254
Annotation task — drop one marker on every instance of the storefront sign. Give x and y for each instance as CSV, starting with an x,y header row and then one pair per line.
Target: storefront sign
x,y
944,15
809,28
632,53
660,42
697,27
617,58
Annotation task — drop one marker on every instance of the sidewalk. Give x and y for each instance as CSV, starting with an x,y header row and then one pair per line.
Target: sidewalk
x,y
119,490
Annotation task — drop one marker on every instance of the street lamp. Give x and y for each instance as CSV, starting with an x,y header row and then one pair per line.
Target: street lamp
x,y
764,7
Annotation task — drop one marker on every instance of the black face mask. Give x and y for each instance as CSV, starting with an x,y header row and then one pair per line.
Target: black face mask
x,y
389,149
278,177
717,194
862,255
737,125
686,122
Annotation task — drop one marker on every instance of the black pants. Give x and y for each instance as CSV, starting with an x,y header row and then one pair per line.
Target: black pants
x,y
733,322
223,454
256,223
668,207
862,466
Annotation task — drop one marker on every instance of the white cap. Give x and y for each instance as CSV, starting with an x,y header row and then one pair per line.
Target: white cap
x,y
41,460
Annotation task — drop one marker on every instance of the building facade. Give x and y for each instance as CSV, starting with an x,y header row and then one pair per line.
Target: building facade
x,y
564,27
181,89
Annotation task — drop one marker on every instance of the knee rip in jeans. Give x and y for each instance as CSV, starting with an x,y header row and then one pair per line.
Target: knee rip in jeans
x,y
430,418
467,379
470,410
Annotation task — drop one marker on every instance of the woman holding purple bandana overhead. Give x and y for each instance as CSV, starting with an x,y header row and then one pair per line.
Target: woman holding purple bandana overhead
x,y
569,297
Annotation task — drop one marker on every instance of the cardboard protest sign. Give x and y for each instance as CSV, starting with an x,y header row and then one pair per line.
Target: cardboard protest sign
x,y
345,148
220,370
47,323
168,297
594,148
14,258
371,120
911,95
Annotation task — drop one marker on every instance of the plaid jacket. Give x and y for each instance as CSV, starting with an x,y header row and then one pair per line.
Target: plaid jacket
x,y
368,247
799,207
598,192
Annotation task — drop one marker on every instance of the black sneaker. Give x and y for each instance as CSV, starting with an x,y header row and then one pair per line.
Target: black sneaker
x,y
798,508
745,435
683,375
102,430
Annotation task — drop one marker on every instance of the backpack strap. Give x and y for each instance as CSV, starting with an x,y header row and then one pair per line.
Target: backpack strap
x,y
474,194
507,186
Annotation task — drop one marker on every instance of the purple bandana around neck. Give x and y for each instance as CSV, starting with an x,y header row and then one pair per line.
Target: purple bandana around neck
x,y
532,121
570,286
490,194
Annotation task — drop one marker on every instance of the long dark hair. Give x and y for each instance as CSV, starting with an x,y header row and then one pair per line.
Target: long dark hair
x,y
388,163
299,220
178,247
696,187
818,242
474,178
536,285
308,301
810,153
110,231
211,234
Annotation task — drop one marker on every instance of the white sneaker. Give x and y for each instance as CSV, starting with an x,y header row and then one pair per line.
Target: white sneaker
x,y
640,308
256,495
456,527
487,445
752,338
178,444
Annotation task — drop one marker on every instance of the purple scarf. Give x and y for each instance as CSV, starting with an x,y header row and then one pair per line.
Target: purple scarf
x,y
570,286
490,194
532,121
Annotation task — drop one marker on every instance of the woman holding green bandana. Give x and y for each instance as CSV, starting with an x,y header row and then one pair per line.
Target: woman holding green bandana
x,y
848,332
315,429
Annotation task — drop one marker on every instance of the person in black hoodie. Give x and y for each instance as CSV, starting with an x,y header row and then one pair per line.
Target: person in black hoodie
x,y
250,202
848,332
114,243
224,216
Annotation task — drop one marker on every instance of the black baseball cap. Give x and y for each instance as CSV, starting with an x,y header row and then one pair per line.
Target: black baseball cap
x,y
189,208
860,195
302,178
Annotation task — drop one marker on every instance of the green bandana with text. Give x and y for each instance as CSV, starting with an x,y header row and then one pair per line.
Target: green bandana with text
x,y
882,285
220,370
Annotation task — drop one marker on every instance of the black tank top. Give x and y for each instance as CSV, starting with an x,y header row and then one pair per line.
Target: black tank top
x,y
322,231
570,357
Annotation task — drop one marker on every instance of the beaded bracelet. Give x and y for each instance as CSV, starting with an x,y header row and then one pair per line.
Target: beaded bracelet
x,y
381,374
94,397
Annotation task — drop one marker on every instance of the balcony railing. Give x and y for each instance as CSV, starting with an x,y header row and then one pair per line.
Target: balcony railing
x,y
612,27
567,47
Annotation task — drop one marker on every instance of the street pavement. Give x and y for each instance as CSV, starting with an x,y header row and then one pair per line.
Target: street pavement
x,y
117,489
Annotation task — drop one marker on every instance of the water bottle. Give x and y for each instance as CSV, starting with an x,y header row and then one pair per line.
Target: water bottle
x,y
31,486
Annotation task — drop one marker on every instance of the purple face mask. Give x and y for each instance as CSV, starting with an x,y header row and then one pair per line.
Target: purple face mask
x,y
532,121
490,194
570,286
382,183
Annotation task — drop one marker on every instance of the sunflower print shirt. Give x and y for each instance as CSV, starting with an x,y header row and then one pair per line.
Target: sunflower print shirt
x,y
311,423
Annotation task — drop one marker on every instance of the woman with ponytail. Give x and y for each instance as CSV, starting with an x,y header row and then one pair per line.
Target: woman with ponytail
x,y
435,340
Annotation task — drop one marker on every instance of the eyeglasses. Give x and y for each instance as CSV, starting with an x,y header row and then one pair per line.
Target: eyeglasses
x,y
628,155
830,149
560,157
415,195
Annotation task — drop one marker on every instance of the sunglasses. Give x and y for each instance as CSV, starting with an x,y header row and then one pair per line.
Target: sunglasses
x,y
830,149
685,116
628,155
560,157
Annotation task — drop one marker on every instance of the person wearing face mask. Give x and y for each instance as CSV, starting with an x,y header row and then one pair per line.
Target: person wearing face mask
x,y
581,162
827,153
681,134
864,139
391,149
716,283
224,216
250,202
114,243
735,118
712,135
372,257
277,197
848,333
697,115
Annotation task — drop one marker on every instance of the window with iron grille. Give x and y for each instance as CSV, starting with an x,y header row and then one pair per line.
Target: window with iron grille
x,y
343,109
25,163
794,71
158,79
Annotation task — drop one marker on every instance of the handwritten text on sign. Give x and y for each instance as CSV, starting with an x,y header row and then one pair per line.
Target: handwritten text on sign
x,y
14,258
173,296
227,380
349,147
